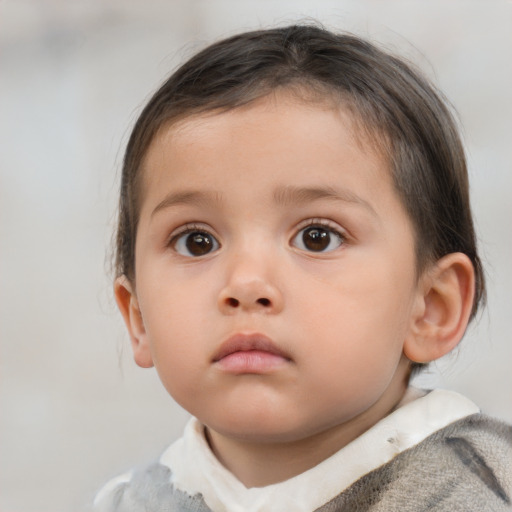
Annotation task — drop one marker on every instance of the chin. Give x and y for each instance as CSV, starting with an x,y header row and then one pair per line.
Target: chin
x,y
262,426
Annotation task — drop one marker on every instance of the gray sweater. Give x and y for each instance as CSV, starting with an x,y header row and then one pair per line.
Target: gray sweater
x,y
466,466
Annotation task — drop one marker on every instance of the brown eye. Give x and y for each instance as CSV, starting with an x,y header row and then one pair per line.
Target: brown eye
x,y
317,239
195,243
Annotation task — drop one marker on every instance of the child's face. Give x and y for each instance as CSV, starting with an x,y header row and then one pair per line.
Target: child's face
x,y
271,231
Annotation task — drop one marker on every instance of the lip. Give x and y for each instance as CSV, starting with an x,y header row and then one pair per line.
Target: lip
x,y
249,353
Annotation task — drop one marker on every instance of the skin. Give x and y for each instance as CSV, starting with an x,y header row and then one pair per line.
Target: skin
x,y
347,321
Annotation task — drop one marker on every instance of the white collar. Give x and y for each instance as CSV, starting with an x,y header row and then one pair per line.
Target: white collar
x,y
195,468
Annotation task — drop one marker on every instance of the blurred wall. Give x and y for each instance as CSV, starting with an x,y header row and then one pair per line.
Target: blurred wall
x,y
73,75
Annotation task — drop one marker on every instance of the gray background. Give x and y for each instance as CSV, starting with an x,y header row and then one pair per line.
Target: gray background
x,y
73,75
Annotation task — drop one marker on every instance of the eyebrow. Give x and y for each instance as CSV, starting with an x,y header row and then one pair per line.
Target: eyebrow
x,y
284,196
185,197
291,195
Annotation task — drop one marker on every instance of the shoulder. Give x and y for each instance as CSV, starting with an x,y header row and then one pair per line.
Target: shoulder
x,y
464,466
480,447
478,439
166,485
147,489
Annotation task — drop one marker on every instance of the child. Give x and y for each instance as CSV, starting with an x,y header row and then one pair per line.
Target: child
x,y
295,239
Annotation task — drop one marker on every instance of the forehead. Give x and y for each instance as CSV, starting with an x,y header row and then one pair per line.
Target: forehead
x,y
279,131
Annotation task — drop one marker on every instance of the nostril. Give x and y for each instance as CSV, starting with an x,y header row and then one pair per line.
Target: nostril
x,y
232,302
263,302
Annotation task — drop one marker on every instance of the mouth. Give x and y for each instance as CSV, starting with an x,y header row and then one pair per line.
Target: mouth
x,y
250,353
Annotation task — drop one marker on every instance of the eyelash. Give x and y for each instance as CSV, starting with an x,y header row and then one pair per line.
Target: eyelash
x,y
325,225
211,243
187,229
322,223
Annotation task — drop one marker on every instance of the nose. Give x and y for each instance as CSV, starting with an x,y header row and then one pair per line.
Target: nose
x,y
251,287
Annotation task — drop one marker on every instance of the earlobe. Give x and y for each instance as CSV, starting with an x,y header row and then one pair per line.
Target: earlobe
x,y
129,307
443,308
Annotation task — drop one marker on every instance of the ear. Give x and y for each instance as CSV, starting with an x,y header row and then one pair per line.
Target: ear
x,y
442,309
129,306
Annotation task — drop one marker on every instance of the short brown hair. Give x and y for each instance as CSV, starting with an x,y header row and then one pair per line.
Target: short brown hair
x,y
386,96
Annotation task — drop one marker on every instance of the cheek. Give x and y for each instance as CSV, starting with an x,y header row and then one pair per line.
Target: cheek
x,y
176,333
360,321
354,361
367,298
